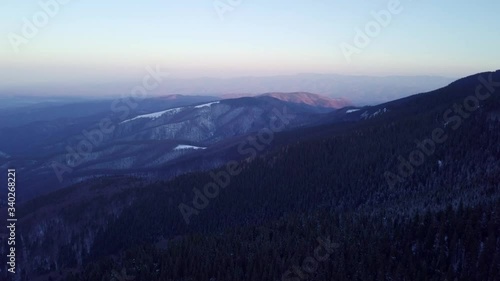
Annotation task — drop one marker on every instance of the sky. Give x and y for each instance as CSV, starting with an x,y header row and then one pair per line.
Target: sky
x,y
105,41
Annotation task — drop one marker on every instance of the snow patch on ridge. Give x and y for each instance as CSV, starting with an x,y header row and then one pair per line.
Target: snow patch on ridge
x,y
184,146
171,111
207,104
156,115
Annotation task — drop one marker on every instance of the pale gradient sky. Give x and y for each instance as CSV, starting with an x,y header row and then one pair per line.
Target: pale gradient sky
x,y
103,41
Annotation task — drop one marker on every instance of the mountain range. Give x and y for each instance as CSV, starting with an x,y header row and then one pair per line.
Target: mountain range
x,y
147,139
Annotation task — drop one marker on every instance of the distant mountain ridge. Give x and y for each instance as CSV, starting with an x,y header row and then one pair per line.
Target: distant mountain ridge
x,y
358,89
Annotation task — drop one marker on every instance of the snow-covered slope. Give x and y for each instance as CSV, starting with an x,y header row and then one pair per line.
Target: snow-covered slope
x,y
155,115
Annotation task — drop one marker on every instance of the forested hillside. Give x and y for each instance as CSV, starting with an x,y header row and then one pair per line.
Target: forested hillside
x,y
446,245
437,219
